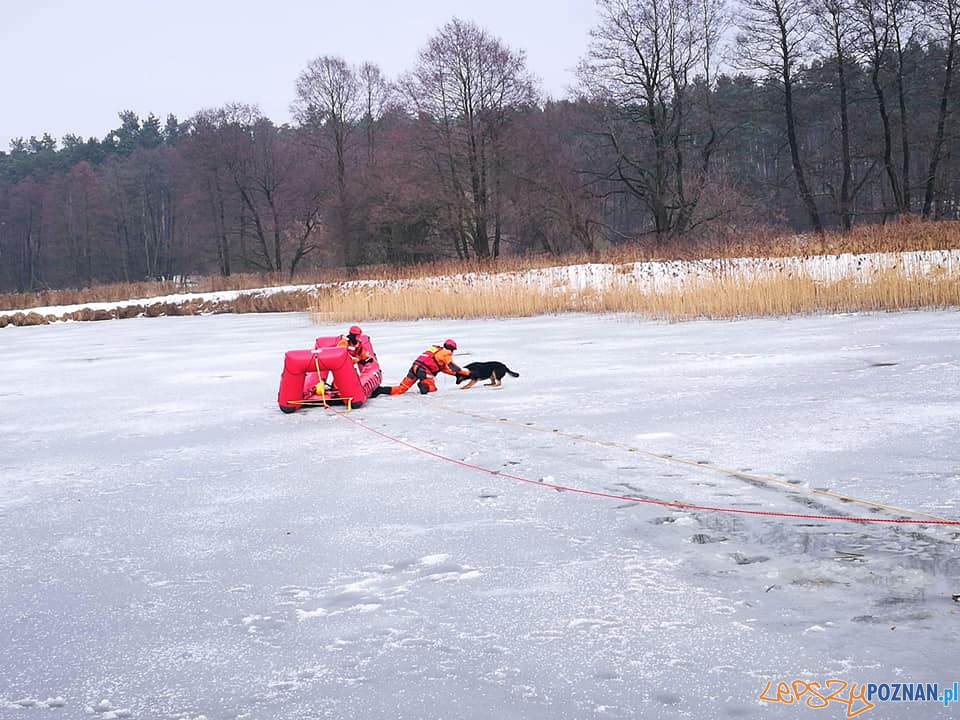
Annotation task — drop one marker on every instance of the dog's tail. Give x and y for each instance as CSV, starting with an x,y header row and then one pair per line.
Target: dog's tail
x,y
511,372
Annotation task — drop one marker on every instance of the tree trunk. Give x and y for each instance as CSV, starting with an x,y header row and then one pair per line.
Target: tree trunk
x,y
937,150
805,195
907,202
844,200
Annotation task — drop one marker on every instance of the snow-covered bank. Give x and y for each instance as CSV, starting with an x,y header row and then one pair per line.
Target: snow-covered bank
x,y
646,276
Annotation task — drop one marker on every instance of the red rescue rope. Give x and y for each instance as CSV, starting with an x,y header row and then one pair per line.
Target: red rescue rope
x,y
646,501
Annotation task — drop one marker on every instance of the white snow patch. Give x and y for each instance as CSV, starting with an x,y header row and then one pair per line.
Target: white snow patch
x,y
307,614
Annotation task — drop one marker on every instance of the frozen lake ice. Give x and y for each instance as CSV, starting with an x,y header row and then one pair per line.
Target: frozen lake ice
x,y
174,547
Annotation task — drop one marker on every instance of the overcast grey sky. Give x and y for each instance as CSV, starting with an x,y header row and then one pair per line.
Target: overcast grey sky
x,y
69,66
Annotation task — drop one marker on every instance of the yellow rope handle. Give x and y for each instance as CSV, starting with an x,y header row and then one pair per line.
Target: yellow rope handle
x,y
320,388
348,401
716,468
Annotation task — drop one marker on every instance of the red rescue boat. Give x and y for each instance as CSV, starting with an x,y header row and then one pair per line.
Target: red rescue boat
x,y
327,375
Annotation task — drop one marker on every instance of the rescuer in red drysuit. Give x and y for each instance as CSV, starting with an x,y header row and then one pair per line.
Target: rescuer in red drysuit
x,y
435,359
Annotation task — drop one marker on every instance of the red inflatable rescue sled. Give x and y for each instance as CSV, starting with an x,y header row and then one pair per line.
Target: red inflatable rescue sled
x,y
326,375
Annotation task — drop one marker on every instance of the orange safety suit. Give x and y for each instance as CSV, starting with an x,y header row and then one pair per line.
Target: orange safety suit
x,y
357,352
435,359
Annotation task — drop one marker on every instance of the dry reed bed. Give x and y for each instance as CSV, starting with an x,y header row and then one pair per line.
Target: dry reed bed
x,y
675,290
671,290
907,235
707,298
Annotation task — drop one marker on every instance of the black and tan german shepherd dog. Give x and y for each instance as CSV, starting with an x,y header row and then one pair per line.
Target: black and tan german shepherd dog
x,y
492,371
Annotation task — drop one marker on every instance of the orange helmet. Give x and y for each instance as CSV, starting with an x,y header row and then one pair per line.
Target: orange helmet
x,y
450,344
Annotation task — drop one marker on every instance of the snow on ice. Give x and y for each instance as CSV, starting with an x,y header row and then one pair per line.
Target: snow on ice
x,y
174,547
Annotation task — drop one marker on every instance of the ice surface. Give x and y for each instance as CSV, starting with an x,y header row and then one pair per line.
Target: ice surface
x,y
172,546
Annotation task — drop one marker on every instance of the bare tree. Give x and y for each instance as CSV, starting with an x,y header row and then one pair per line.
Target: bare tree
x,y
375,92
329,98
945,20
74,214
282,206
465,84
645,61
332,100
774,38
140,192
551,206
837,28
879,22
903,25
23,228
213,150
209,182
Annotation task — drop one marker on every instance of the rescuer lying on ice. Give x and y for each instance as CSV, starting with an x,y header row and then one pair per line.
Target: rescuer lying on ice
x,y
435,359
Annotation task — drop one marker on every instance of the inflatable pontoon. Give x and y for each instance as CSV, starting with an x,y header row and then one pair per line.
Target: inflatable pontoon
x,y
326,375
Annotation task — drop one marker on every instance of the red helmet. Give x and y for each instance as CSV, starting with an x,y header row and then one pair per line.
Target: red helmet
x,y
450,344
355,330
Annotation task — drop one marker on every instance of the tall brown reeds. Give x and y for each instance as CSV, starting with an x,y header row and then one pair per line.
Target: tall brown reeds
x,y
714,296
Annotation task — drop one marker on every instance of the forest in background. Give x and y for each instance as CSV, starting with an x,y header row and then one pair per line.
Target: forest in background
x,y
684,130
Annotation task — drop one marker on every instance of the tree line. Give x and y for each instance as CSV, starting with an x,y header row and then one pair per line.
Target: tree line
x,y
803,115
